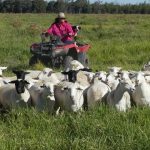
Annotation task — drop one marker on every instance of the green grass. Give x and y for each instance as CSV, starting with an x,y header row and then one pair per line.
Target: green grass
x,y
116,40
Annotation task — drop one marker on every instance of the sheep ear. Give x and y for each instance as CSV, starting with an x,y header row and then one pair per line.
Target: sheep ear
x,y
50,73
64,72
43,86
26,82
100,78
12,82
64,88
86,69
79,88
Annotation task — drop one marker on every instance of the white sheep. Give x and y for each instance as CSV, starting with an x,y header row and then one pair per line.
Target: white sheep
x,y
45,73
43,97
75,65
84,78
141,95
49,75
125,77
97,92
68,96
114,70
102,75
112,81
32,74
121,97
14,95
146,66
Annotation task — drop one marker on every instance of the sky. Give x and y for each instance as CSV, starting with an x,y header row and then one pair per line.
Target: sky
x,y
121,1
126,1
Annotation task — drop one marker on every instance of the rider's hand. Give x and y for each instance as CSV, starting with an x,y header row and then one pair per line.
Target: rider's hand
x,y
70,34
45,34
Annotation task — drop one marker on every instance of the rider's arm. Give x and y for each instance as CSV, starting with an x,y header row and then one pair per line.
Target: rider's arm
x,y
49,31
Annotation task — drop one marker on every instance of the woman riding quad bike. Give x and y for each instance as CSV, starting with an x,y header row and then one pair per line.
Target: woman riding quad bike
x,y
62,48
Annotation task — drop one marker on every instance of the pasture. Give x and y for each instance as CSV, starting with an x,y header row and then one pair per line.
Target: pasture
x,y
116,40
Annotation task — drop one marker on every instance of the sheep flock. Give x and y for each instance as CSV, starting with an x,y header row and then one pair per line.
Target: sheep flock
x,y
75,89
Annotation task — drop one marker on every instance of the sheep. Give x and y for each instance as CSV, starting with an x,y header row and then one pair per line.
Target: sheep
x,y
114,70
120,97
84,78
96,92
125,77
15,95
68,97
147,76
49,75
146,67
112,81
45,73
76,65
141,95
32,74
43,97
101,75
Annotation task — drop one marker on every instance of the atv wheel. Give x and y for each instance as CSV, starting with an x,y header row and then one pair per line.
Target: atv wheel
x,y
33,60
67,62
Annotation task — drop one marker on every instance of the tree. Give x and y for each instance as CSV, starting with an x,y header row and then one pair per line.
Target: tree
x,y
26,6
1,5
96,7
81,6
8,6
60,5
39,6
17,7
50,6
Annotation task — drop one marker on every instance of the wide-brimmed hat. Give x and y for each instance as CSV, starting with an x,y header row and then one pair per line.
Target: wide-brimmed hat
x,y
61,15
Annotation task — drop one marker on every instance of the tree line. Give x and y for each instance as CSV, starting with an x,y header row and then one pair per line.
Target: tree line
x,y
71,6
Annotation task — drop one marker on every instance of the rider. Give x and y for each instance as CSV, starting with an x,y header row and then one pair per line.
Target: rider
x,y
62,29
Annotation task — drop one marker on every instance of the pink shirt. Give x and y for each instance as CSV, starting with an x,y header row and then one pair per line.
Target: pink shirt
x,y
63,30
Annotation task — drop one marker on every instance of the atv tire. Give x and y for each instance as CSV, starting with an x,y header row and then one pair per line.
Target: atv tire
x,y
33,60
67,62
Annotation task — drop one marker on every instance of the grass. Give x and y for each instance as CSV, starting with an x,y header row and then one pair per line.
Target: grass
x,y
116,40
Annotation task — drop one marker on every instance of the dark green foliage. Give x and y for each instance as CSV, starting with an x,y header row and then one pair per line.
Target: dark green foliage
x,y
70,6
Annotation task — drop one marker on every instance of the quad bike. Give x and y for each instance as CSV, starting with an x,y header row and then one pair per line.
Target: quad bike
x,y
56,53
